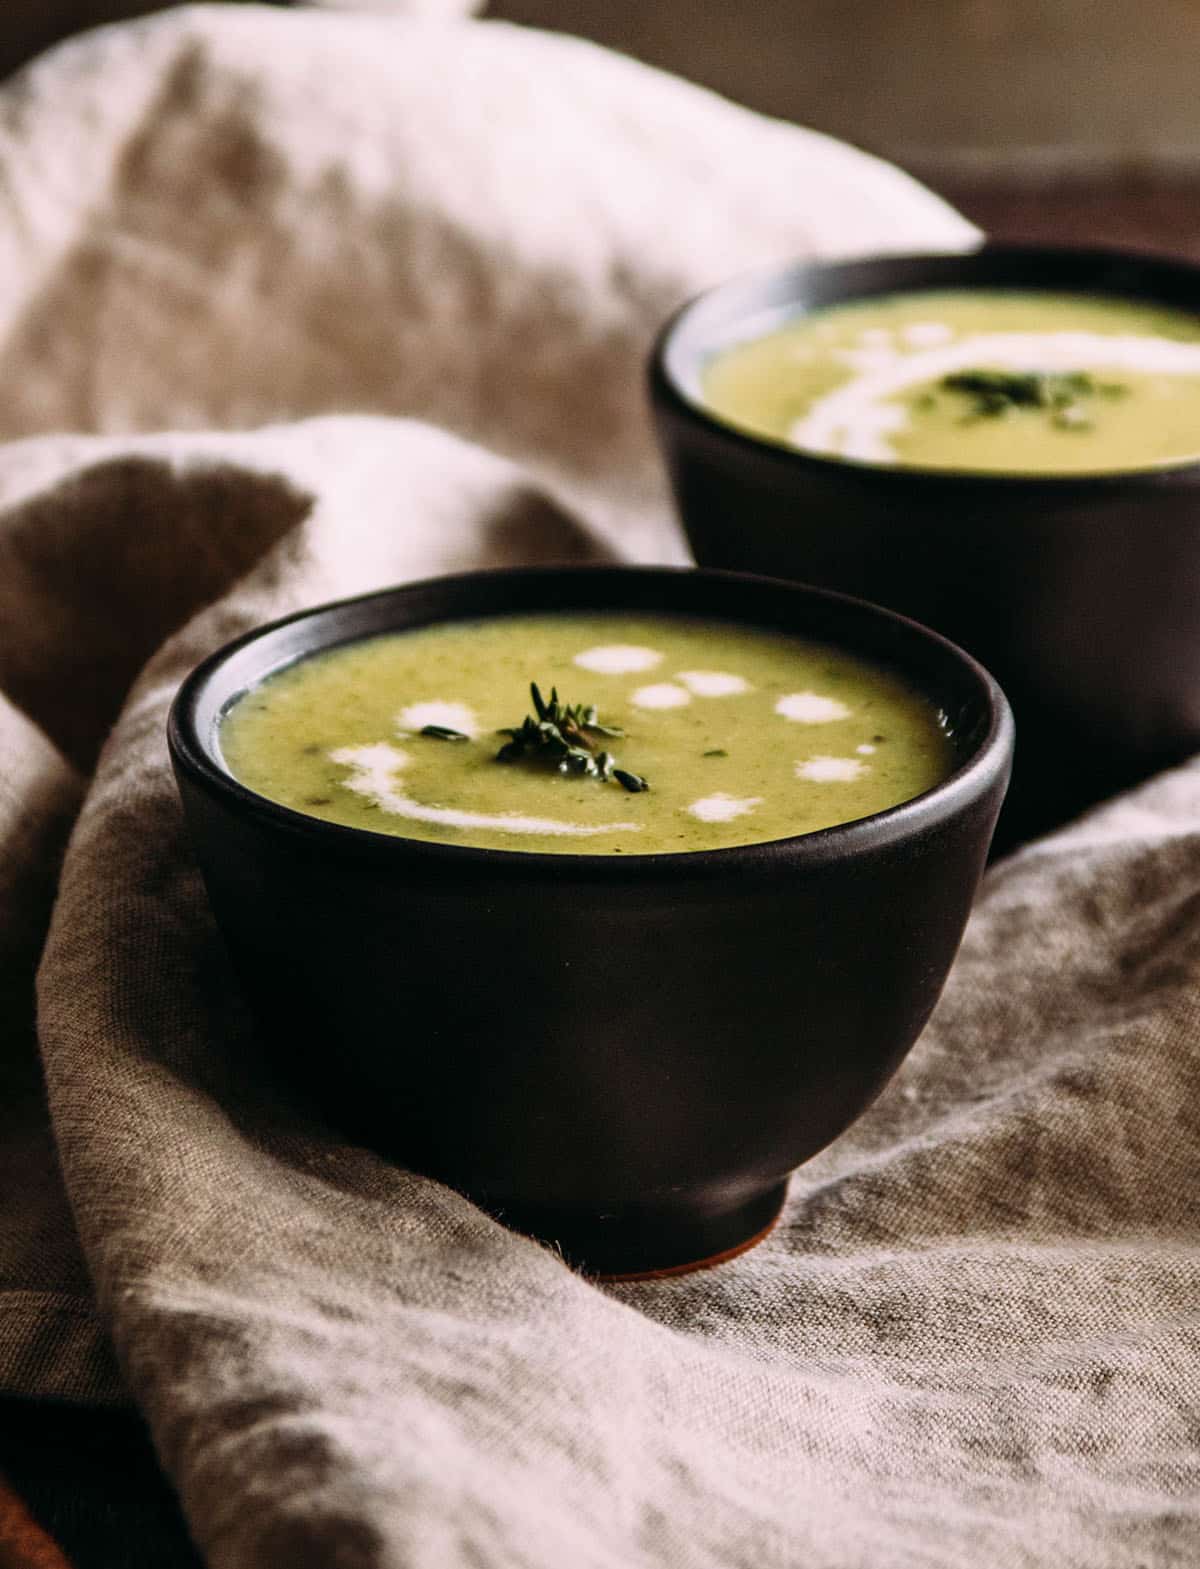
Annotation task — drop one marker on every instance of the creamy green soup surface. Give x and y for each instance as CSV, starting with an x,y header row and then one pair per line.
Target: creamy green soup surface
x,y
973,379
738,735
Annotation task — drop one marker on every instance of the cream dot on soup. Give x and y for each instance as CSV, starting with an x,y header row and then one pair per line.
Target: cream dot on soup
x,y
811,708
866,749
713,683
616,659
320,736
723,808
450,716
663,694
830,770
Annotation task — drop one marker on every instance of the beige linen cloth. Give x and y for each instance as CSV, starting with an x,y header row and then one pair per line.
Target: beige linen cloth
x,y
974,1339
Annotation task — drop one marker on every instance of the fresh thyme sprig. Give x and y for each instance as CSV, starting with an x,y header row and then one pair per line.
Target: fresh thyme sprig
x,y
564,735
442,733
1063,394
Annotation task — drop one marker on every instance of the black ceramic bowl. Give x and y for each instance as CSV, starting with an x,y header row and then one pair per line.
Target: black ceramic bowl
x,y
1081,594
624,1055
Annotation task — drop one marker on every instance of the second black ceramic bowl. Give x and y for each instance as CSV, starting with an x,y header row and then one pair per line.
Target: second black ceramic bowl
x,y
624,1055
1080,593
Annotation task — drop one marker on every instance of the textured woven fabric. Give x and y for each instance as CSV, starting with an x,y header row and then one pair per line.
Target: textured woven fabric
x,y
975,1337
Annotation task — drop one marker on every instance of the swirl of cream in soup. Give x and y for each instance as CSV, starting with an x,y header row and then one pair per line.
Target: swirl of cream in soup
x,y
855,420
374,771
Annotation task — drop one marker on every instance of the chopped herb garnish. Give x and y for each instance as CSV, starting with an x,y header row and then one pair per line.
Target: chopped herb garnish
x,y
716,751
564,736
1062,394
442,733
634,783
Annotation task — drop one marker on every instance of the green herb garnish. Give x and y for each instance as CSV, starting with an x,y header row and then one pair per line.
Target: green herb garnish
x,y
564,736
634,783
1062,395
442,733
715,751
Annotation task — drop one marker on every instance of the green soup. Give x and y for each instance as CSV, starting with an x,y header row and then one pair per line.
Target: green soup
x,y
728,735
973,379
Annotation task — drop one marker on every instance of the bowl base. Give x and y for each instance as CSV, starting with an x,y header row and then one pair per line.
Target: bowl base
x,y
643,1243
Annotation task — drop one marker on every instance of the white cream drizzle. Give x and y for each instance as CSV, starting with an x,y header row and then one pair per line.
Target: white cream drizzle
x,y
664,694
723,808
831,770
713,683
855,420
811,708
617,659
926,334
453,716
373,774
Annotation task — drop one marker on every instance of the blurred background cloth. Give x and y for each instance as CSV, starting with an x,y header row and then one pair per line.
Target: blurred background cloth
x,y
228,215
956,90
29,26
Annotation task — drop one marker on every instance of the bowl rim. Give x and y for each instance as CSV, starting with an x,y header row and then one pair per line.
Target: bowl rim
x,y
986,766
667,391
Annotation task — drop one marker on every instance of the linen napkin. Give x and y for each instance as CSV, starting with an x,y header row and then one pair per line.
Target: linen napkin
x,y
975,1336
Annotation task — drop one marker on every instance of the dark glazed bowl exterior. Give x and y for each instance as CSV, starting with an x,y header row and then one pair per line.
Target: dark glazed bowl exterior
x,y
624,1055
1080,594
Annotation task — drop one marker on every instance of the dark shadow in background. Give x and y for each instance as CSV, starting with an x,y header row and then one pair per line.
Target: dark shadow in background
x,y
91,1481
29,26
